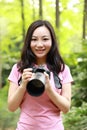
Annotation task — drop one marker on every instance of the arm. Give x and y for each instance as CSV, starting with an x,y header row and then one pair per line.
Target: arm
x,y
16,93
63,101
15,96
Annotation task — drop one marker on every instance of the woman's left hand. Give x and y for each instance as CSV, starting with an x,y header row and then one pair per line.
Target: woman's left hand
x,y
62,101
47,82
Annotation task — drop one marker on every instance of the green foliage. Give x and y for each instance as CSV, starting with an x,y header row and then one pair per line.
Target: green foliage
x,y
76,119
80,74
7,119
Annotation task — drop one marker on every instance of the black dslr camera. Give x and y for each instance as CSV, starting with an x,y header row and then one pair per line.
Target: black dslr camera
x,y
36,86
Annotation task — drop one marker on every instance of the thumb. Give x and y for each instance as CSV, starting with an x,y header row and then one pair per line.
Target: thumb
x,y
46,75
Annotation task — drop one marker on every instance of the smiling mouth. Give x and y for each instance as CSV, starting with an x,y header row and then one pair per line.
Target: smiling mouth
x,y
40,51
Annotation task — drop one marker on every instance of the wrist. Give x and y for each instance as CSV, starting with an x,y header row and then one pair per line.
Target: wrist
x,y
49,89
22,87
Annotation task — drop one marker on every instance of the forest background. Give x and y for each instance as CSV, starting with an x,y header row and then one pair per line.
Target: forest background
x,y
69,19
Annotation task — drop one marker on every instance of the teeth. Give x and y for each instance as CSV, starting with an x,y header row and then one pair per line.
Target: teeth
x,y
39,50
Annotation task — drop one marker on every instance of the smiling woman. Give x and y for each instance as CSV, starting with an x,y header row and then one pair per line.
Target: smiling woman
x,y
41,43
42,112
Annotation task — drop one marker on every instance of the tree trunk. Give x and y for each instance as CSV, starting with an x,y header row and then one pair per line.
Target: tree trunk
x,y
0,58
85,20
0,68
57,14
23,18
40,9
33,10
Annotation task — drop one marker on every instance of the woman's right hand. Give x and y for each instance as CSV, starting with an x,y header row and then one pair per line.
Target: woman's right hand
x,y
16,93
26,76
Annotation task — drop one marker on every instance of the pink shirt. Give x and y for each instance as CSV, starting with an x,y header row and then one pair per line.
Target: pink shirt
x,y
40,113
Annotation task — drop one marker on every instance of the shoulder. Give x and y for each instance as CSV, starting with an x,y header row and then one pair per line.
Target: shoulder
x,y
65,75
15,68
14,74
66,69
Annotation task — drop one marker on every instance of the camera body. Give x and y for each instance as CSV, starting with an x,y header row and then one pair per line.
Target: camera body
x,y
36,86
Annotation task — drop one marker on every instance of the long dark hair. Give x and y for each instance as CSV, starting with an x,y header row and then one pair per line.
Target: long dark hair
x,y
54,60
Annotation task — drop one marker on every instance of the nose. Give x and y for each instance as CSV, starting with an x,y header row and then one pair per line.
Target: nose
x,y
39,44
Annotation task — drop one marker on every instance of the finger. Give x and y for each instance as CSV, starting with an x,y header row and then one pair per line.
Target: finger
x,y
46,75
27,70
26,75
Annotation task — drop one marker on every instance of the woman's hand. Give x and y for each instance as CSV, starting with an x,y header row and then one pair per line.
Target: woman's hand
x,y
26,76
62,101
16,93
47,82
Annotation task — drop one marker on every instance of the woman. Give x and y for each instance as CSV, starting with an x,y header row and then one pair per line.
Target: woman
x,y
42,112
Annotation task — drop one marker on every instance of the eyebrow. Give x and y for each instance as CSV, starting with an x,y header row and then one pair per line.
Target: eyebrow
x,y
41,36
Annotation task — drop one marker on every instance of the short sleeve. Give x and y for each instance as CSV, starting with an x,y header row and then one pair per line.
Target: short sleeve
x,y
66,76
14,74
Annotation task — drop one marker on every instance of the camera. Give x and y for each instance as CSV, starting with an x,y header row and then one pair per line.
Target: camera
x,y
36,86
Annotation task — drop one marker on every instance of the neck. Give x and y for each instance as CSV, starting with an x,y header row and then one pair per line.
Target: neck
x,y
39,62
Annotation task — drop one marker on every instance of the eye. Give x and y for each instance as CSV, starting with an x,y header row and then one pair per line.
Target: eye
x,y
45,39
33,39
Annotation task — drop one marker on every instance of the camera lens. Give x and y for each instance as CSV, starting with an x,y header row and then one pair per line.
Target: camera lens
x,y
35,87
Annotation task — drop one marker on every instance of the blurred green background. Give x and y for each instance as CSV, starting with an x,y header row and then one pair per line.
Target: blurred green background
x,y
69,19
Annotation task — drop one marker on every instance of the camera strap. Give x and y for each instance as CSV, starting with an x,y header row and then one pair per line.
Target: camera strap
x,y
57,81
19,81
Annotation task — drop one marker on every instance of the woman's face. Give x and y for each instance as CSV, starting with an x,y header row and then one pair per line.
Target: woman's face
x,y
41,43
